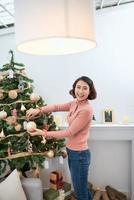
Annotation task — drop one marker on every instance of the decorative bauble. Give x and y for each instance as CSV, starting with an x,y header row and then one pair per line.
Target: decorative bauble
x,y
3,114
25,125
64,153
2,135
24,72
34,97
11,120
31,126
50,154
12,94
22,108
10,73
18,127
14,112
30,147
43,140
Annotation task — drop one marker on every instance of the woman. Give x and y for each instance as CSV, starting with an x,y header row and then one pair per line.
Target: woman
x,y
79,118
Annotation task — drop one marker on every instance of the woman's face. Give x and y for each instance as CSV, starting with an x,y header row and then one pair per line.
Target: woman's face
x,y
82,90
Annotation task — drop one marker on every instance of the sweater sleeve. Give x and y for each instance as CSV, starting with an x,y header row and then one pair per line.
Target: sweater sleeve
x,y
83,118
55,108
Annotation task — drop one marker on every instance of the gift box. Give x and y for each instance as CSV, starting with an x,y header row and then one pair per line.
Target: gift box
x,y
62,194
51,194
67,190
56,180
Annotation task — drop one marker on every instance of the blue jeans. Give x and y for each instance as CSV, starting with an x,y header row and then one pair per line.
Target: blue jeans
x,y
79,162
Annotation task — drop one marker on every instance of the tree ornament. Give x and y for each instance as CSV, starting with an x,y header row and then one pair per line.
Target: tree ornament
x,y
25,125
11,120
2,135
31,126
12,94
43,140
50,154
10,72
22,108
14,112
1,95
3,114
64,153
21,86
34,97
18,127
30,147
24,72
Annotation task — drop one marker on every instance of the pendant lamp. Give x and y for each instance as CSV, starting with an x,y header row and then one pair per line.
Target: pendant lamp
x,y
54,27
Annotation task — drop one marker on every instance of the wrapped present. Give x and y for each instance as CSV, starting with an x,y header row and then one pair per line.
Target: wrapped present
x,y
51,194
62,194
56,180
67,190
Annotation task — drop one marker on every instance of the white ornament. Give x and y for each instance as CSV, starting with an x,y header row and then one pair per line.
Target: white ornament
x,y
43,140
3,114
50,154
12,94
2,134
30,147
34,97
31,126
10,72
25,125
22,108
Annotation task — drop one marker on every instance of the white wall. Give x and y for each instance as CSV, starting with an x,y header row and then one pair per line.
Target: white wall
x,y
110,65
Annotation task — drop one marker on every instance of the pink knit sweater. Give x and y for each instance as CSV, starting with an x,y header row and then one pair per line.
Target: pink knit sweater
x,y
79,119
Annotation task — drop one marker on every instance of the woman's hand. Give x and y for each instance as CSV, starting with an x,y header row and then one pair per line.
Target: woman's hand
x,y
38,132
31,113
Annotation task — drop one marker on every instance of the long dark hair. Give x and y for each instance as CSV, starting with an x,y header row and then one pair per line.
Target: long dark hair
x,y
92,94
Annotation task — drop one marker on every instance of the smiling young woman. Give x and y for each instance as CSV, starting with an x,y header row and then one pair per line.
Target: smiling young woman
x,y
79,119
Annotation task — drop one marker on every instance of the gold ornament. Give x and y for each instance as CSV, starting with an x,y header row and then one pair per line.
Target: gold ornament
x,y
64,153
31,126
50,154
1,95
18,127
13,94
34,97
3,114
11,120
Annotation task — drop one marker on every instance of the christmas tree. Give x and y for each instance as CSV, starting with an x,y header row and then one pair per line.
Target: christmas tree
x,y
17,148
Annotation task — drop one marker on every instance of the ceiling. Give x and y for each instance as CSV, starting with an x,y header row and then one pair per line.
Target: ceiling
x,y
7,9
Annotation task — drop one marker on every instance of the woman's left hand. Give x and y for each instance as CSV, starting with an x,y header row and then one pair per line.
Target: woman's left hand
x,y
38,132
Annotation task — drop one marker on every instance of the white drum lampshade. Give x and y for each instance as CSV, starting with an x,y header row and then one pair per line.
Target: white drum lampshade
x,y
54,27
